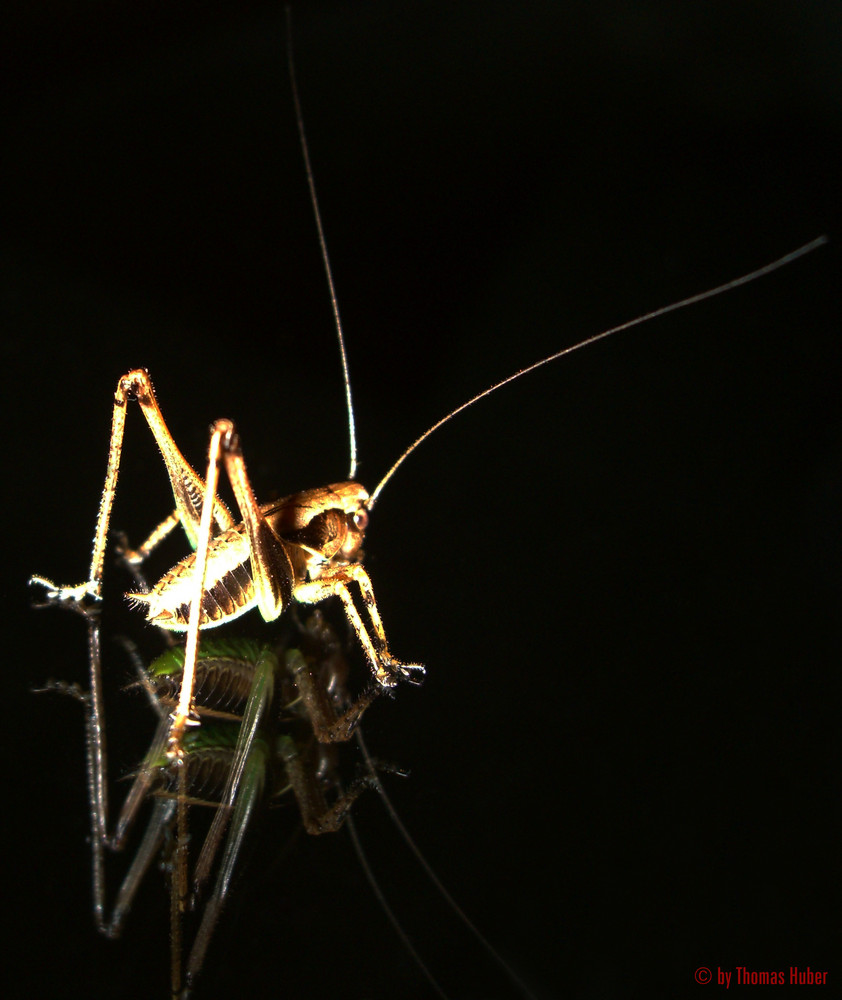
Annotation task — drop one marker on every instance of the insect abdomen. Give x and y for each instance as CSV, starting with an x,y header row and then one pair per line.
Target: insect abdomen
x,y
225,672
228,592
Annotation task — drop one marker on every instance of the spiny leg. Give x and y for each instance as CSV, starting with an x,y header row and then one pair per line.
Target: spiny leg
x,y
317,814
159,823
334,581
187,487
260,696
318,817
100,837
319,706
328,727
222,434
96,763
271,567
136,557
182,717
251,787
275,585
84,598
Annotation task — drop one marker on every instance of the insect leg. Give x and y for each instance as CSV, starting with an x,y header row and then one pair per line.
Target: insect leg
x,y
260,696
386,669
327,726
80,596
250,789
136,557
317,815
183,716
271,567
84,598
100,836
187,486
159,822
306,672
95,761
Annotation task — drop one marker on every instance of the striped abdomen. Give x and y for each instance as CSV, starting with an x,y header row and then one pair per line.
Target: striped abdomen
x,y
229,588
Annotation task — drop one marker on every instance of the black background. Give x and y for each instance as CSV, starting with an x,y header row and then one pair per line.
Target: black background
x,y
621,572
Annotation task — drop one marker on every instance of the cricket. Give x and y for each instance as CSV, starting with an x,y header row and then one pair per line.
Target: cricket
x,y
301,550
274,649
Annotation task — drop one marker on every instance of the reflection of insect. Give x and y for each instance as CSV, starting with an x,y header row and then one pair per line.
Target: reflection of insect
x,y
271,717
304,548
457,561
301,549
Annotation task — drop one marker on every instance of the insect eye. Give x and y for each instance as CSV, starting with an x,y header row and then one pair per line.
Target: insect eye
x,y
361,520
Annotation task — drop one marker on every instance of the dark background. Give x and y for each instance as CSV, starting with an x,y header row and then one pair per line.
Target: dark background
x,y
622,572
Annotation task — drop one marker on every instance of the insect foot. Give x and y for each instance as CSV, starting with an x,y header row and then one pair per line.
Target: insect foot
x,y
84,598
73,690
391,672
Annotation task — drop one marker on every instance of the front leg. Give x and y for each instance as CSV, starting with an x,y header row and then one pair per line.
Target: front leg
x,y
334,582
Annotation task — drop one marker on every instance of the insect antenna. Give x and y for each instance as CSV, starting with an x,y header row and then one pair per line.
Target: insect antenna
x,y
431,874
629,324
314,201
377,889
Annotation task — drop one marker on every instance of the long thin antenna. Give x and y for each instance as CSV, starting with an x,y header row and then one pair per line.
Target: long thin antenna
x,y
314,201
692,300
430,872
387,909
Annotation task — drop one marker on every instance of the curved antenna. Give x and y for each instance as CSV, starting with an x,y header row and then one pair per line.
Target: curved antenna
x,y
314,201
362,857
692,300
430,872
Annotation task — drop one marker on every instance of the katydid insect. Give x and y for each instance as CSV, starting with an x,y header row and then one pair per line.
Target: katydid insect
x,y
467,558
272,716
303,548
